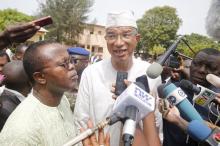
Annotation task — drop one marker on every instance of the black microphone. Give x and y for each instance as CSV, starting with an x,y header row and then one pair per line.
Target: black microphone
x,y
203,96
155,69
185,84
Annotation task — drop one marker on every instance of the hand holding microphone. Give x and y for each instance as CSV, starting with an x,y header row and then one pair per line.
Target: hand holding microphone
x,y
133,104
91,130
103,140
178,98
196,129
170,113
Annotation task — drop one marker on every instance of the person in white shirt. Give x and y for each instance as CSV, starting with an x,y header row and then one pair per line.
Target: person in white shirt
x,y
17,87
94,98
44,118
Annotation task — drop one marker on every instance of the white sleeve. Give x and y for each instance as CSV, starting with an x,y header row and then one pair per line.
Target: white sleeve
x,y
81,110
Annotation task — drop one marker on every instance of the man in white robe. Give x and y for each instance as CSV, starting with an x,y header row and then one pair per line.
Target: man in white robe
x,y
94,98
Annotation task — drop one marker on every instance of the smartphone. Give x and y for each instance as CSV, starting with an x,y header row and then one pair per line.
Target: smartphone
x,y
120,84
43,21
173,62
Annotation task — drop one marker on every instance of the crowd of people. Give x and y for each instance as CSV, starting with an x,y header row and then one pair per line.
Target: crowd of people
x,y
51,92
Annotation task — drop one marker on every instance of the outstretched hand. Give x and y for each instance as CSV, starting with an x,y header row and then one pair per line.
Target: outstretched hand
x,y
17,34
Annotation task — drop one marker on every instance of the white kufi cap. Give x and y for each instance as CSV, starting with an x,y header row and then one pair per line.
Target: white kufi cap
x,y
124,18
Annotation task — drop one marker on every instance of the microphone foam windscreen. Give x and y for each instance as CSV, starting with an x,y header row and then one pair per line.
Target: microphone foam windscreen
x,y
154,70
160,91
198,130
186,84
214,80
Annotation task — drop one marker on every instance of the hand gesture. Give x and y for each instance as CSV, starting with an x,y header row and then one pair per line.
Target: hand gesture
x,y
17,34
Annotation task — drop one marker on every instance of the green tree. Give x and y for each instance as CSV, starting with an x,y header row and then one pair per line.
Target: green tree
x,y
157,27
196,42
68,16
12,16
157,50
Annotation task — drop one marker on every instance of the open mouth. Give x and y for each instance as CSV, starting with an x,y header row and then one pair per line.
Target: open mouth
x,y
120,53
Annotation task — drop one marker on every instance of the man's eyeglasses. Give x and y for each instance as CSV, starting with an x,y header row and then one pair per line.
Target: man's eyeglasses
x,y
124,36
66,64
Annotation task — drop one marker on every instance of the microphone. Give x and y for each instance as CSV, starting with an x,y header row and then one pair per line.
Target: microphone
x,y
136,96
108,121
133,104
155,69
214,80
178,98
200,132
202,97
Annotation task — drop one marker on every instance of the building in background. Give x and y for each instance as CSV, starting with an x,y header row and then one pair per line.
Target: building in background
x,y
39,36
93,40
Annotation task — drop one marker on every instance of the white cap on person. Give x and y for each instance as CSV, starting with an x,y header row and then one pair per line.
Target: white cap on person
x,y
123,18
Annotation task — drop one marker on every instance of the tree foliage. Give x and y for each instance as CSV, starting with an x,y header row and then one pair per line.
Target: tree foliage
x,y
197,42
68,17
12,16
157,50
157,27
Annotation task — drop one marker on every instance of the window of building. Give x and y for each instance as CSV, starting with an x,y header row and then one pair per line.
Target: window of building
x,y
100,49
93,49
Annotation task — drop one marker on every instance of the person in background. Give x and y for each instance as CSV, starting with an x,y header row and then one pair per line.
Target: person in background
x,y
17,87
4,59
94,99
205,61
19,52
96,58
80,57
